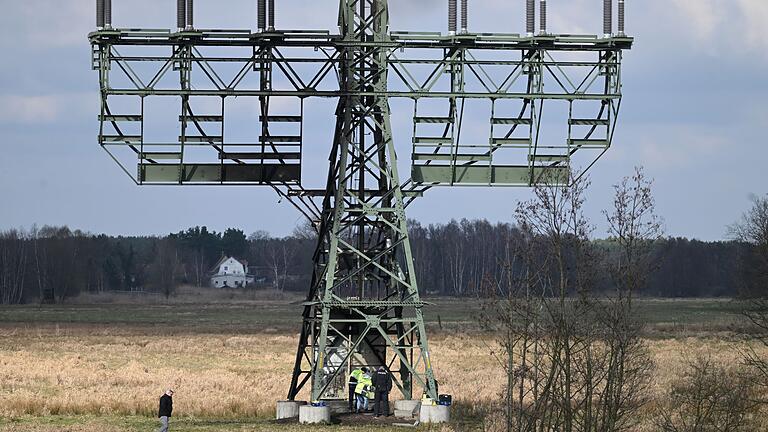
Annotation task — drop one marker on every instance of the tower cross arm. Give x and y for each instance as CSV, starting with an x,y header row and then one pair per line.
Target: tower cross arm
x,y
302,63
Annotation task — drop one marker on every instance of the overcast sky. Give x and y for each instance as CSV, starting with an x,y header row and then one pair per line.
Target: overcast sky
x,y
694,115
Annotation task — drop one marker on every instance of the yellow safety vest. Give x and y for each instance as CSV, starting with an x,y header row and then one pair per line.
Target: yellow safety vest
x,y
364,385
356,374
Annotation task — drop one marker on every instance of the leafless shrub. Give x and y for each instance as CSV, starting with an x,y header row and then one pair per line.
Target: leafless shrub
x,y
710,397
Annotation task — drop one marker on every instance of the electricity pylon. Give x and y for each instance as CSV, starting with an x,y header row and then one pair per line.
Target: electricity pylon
x,y
363,306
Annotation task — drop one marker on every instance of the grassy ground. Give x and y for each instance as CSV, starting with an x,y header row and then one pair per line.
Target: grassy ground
x,y
90,423
101,367
672,316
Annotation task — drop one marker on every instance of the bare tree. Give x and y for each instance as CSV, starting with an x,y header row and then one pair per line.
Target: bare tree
x,y
13,266
164,269
709,397
277,254
539,317
40,266
574,361
752,231
753,227
456,258
304,231
634,227
57,263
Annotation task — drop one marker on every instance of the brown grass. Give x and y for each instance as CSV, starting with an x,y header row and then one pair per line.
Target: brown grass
x,y
100,365
88,370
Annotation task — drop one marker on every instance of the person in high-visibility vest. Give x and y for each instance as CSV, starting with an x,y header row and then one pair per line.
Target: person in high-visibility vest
x,y
363,392
354,377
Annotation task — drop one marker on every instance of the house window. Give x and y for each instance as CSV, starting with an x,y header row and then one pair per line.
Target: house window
x,y
226,268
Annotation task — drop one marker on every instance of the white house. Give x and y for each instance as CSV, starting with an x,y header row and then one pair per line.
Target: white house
x,y
230,273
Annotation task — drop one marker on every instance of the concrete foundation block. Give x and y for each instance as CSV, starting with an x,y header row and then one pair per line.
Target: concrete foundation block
x,y
309,414
406,407
435,414
338,406
404,414
288,409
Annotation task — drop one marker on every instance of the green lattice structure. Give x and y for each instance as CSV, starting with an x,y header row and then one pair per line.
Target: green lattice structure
x,y
363,306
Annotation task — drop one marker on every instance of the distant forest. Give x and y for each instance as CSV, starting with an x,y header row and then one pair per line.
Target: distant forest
x,y
52,264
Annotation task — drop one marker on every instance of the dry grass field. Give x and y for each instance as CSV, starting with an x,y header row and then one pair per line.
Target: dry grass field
x,y
102,367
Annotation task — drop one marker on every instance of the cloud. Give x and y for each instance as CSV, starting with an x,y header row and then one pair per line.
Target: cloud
x,y
22,109
28,109
720,26
702,17
46,23
672,147
755,13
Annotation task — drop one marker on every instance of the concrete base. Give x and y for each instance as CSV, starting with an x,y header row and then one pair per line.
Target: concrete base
x,y
309,414
404,414
435,414
406,408
338,406
288,409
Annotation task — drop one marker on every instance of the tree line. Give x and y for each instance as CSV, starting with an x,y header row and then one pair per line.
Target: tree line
x,y
455,258
51,264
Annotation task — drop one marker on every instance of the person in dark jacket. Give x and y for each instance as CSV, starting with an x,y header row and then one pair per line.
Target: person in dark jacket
x,y
166,408
382,383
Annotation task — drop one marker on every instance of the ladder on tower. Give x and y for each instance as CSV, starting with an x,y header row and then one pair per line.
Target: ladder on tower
x,y
433,138
592,132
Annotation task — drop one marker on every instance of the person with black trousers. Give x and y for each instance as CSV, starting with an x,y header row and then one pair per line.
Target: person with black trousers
x,y
382,384
166,408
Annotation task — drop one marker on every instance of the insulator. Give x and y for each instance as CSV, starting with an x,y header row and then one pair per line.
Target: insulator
x,y
621,17
181,14
190,14
271,14
543,17
108,14
464,8
607,17
262,14
451,16
530,17
100,14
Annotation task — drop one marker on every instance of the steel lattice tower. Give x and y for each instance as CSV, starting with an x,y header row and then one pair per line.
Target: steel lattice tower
x,y
363,306
361,296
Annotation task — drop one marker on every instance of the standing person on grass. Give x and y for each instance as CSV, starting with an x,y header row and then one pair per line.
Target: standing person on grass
x,y
166,408
382,383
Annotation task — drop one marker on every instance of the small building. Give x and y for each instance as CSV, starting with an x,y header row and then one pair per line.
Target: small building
x,y
230,273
